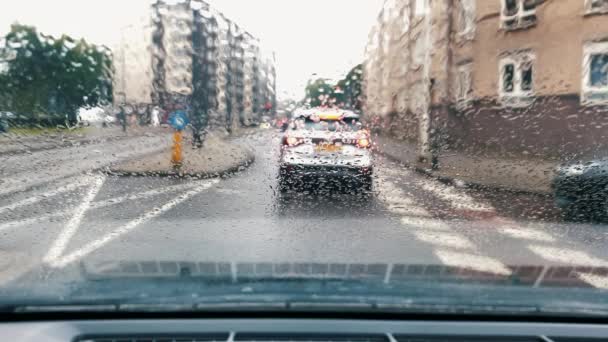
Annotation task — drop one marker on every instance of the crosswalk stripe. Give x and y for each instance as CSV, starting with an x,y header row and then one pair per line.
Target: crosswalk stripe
x,y
444,239
472,261
456,199
567,256
600,282
426,223
526,233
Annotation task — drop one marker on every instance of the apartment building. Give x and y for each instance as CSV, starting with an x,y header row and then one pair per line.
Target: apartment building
x,y
520,77
190,55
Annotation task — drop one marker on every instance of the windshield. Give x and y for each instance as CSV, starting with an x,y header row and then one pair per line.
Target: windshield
x,y
443,154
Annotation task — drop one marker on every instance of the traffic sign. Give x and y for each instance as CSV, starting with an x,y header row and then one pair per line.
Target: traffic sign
x,y
179,120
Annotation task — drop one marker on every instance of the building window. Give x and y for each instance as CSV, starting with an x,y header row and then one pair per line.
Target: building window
x,y
466,18
463,84
516,85
596,6
595,73
518,14
421,8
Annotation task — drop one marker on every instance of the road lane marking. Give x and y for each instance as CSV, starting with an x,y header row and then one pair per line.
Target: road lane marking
x,y
72,226
96,244
141,195
444,239
424,223
398,202
39,197
472,261
600,282
97,205
456,199
567,256
526,233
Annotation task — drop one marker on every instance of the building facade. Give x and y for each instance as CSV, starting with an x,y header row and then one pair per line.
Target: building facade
x,y
518,77
195,58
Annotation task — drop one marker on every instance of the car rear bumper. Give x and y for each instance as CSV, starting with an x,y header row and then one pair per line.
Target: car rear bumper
x,y
316,171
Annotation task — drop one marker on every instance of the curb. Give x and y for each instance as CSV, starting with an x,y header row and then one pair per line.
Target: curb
x,y
240,166
459,182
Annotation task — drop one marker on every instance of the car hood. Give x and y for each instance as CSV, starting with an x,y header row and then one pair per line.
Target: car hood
x,y
174,285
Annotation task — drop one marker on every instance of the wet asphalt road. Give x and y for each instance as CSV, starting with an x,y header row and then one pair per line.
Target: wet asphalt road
x,y
408,218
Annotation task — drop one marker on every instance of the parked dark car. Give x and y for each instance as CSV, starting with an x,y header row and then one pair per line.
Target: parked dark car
x,y
581,188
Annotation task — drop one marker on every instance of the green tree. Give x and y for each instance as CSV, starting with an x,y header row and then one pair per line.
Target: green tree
x,y
348,90
48,79
346,93
319,93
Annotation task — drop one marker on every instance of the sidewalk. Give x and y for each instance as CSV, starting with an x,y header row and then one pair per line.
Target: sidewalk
x,y
15,143
525,174
218,157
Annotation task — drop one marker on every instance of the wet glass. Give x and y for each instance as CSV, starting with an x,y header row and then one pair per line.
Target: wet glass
x,y
440,154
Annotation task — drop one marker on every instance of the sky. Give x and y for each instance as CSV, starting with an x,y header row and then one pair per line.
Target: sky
x,y
311,38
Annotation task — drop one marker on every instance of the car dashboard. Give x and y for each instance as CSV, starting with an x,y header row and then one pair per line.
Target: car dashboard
x,y
317,330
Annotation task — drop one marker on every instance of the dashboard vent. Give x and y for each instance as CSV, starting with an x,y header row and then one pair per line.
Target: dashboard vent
x,y
260,337
155,338
456,338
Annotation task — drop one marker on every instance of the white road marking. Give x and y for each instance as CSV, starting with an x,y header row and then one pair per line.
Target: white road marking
x,y
39,197
600,282
142,195
398,202
456,199
526,233
87,249
97,205
424,223
450,247
444,239
472,261
567,256
70,228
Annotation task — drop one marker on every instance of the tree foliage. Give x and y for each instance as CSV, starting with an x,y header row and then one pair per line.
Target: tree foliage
x,y
345,93
46,79
319,93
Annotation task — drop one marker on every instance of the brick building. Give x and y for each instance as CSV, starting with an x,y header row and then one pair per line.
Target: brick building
x,y
516,77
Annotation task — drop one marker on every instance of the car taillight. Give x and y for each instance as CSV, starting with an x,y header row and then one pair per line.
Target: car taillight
x,y
292,141
363,143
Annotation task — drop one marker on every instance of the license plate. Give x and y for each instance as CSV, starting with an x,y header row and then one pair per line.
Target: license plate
x,y
328,148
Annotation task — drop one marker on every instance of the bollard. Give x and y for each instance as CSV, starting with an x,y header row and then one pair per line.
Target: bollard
x,y
176,157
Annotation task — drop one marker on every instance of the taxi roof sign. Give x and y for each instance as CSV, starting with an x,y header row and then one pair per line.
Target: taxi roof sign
x,y
330,116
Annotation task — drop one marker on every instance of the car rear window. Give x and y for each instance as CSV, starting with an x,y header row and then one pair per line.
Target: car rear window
x,y
345,125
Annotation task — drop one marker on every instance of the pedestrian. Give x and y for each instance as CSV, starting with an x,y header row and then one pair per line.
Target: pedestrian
x,y
122,117
155,116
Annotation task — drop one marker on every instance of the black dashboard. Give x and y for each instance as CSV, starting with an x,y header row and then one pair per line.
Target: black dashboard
x,y
314,330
